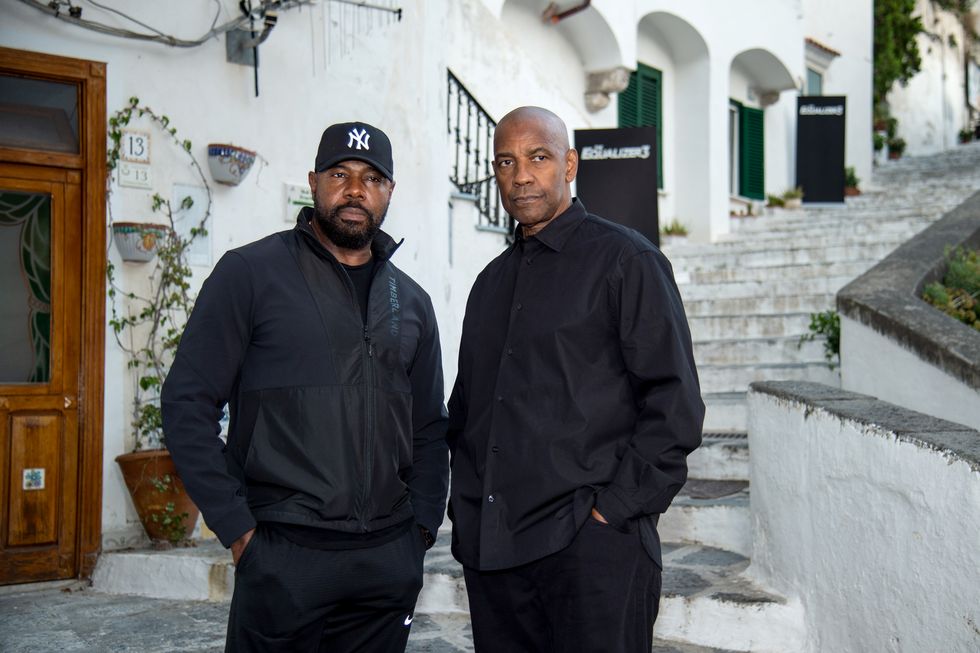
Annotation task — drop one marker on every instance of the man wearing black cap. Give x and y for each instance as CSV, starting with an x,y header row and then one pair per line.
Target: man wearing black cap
x,y
334,477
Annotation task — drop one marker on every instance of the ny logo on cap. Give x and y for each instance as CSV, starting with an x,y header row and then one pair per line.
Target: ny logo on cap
x,y
360,137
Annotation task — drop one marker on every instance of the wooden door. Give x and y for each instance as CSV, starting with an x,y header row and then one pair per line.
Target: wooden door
x,y
40,325
52,314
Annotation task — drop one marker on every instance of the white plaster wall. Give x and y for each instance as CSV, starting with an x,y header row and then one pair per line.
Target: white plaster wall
x,y
931,109
390,78
847,27
882,556
873,364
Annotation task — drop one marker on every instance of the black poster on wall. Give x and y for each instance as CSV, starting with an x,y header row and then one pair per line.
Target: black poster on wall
x,y
820,147
617,176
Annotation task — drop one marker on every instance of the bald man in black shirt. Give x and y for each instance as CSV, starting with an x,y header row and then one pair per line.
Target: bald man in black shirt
x,y
575,407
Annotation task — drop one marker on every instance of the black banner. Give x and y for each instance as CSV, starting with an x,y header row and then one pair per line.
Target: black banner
x,y
820,147
617,176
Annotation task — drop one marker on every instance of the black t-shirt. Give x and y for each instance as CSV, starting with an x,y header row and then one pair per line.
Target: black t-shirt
x,y
360,276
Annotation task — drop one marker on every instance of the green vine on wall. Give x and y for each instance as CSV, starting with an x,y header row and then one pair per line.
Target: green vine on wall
x,y
148,325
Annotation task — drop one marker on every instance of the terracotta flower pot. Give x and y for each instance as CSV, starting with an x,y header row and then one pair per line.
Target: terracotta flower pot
x,y
153,483
851,191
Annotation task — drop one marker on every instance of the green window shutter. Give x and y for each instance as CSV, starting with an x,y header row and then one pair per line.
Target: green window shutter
x,y
641,105
751,164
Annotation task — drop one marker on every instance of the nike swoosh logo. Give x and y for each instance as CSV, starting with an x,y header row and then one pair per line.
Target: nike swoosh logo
x,y
408,620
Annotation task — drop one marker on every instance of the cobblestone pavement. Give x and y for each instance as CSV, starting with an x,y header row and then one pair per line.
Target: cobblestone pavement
x,y
56,617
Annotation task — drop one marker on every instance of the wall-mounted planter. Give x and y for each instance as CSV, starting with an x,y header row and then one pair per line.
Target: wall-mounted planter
x,y
138,242
229,164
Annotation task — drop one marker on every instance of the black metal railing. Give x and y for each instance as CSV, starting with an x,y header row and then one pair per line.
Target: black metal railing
x,y
470,130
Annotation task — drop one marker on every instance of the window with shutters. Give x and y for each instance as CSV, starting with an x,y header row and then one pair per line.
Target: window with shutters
x,y
641,105
750,152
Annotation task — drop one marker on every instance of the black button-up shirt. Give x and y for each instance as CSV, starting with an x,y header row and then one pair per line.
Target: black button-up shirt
x,y
576,388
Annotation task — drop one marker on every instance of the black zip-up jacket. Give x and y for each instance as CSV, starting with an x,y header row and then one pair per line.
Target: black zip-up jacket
x,y
334,423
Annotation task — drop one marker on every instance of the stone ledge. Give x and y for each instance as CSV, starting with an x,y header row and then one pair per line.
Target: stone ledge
x,y
886,297
909,426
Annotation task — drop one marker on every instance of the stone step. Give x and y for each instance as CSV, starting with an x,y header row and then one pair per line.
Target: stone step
x,y
811,303
851,269
810,237
736,378
721,457
709,601
725,412
771,287
722,327
748,351
710,512
796,255
846,224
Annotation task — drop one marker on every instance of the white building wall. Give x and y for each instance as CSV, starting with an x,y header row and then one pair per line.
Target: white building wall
x,y
932,108
883,555
392,78
395,77
847,27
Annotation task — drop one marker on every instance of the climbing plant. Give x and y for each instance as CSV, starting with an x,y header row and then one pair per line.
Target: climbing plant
x,y
148,325
896,52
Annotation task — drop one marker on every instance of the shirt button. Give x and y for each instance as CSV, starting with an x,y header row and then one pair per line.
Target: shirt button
x,y
490,498
528,261
500,398
510,352
495,448
520,306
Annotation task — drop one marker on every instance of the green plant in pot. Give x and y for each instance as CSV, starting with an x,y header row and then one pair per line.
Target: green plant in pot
x,y
793,198
851,182
147,325
896,147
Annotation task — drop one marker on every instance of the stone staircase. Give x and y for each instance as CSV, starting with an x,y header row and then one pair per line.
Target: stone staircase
x,y
748,299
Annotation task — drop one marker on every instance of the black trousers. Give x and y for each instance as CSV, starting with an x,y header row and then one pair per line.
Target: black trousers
x,y
293,598
600,595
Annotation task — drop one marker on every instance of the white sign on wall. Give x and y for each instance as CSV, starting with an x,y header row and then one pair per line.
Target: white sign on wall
x,y
297,196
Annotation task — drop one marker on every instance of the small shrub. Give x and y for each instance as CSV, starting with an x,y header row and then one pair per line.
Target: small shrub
x,y
966,135
675,228
896,146
775,200
878,139
957,294
850,177
827,326
793,194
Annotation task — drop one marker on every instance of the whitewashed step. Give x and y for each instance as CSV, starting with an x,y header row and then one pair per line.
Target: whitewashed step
x,y
718,327
725,412
721,457
199,573
797,255
810,237
708,601
851,269
810,303
710,512
772,287
747,351
735,378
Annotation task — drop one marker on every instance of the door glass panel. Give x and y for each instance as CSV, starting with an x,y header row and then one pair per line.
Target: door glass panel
x,y
37,114
25,287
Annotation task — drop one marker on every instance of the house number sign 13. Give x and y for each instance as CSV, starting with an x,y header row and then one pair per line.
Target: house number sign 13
x,y
135,146
134,155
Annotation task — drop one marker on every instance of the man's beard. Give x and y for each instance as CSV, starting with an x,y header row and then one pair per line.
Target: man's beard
x,y
348,235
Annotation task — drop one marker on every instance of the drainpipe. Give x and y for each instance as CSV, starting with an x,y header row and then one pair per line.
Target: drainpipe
x,y
551,13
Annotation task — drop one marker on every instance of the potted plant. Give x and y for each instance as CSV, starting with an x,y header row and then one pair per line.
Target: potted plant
x,y
896,146
147,326
793,198
965,135
851,182
673,233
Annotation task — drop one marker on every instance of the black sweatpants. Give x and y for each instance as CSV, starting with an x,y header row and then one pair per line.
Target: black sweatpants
x,y
598,595
298,599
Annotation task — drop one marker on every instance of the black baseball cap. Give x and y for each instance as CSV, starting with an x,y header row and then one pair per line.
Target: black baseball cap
x,y
355,140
